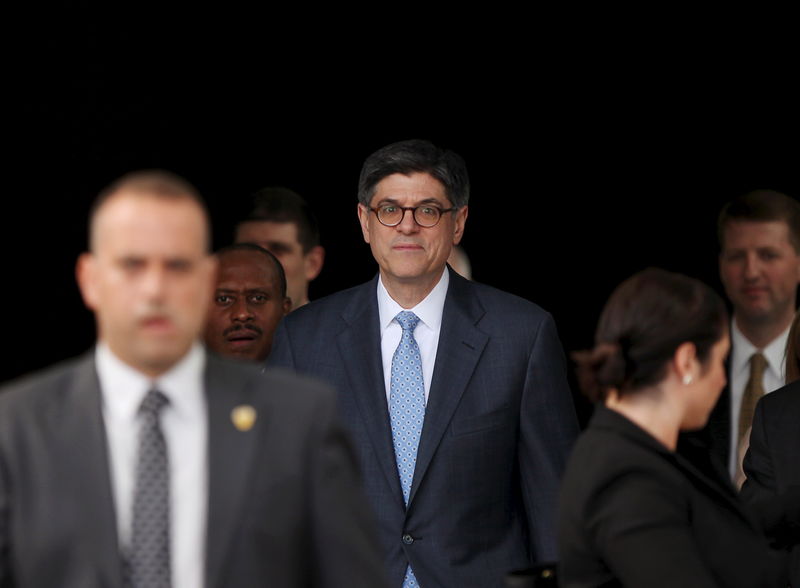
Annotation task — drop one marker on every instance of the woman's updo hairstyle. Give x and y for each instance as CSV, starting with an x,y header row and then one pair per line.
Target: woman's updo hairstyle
x,y
645,320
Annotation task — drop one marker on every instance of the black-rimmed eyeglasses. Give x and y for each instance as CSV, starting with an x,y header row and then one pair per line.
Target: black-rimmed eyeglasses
x,y
425,215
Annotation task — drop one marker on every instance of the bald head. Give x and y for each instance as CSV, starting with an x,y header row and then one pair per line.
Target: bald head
x,y
260,257
158,184
148,276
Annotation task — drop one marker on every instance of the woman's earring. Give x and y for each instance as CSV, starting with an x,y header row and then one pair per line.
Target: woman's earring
x,y
687,379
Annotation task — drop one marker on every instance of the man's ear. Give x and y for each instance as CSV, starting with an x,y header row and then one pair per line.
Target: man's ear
x,y
461,220
798,268
363,218
313,262
85,275
212,272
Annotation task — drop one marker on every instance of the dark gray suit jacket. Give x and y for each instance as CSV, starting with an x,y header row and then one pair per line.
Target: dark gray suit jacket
x,y
284,508
772,467
498,427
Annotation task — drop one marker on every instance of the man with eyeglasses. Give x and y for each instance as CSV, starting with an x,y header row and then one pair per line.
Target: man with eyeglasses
x,y
455,393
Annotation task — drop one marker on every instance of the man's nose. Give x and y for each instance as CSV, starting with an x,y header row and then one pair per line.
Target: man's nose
x,y
408,224
240,311
154,283
752,266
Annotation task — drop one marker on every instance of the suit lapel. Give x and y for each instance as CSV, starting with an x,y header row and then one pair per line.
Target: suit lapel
x,y
461,344
83,452
359,346
230,458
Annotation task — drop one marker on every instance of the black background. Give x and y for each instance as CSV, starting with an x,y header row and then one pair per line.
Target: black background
x,y
583,170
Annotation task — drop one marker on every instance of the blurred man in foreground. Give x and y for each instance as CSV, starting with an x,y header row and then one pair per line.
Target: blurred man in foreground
x,y
148,462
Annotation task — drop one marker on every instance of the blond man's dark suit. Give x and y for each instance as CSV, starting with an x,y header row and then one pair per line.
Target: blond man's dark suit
x,y
284,505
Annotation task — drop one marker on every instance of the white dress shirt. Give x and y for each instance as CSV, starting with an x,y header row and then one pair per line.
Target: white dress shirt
x,y
426,333
185,428
739,374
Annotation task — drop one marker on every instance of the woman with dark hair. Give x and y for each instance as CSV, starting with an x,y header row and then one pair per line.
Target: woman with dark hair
x,y
633,511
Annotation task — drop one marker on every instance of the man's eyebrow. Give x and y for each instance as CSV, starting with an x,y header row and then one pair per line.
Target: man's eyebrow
x,y
246,290
420,203
278,244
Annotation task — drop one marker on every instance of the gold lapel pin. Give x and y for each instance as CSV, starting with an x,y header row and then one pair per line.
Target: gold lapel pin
x,y
243,417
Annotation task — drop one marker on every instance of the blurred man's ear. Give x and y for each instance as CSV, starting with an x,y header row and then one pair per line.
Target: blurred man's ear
x,y
314,260
85,275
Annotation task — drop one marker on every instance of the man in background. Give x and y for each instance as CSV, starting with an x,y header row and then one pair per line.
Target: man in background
x,y
281,222
249,301
759,265
459,261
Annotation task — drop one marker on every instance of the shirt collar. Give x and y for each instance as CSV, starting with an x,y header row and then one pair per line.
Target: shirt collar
x,y
123,388
743,349
429,310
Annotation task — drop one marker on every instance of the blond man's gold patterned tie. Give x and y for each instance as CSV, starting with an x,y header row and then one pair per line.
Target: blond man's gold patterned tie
x,y
752,392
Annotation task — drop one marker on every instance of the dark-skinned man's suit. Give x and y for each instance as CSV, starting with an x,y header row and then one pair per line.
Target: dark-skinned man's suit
x,y
499,423
284,506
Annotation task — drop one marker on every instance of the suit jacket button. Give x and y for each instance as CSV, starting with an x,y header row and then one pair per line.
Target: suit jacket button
x,y
408,539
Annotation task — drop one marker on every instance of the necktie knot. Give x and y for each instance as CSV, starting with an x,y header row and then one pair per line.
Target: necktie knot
x,y
407,320
152,404
758,363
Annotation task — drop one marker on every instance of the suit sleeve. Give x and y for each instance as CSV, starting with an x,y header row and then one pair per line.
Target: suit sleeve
x,y
548,428
281,354
344,537
760,477
639,523
6,580
778,511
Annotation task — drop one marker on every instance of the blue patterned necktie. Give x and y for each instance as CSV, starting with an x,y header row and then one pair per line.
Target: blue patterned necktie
x,y
407,409
148,561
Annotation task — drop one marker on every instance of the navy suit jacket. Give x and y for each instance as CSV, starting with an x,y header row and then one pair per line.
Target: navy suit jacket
x,y
498,426
284,504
